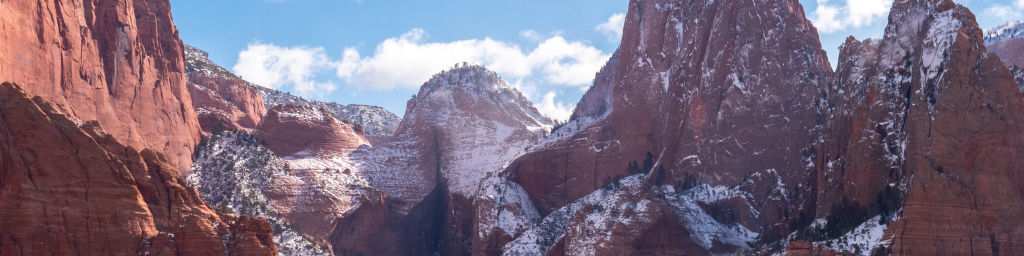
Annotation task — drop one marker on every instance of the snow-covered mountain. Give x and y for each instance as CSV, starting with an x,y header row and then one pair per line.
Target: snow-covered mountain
x,y
462,128
1006,31
718,127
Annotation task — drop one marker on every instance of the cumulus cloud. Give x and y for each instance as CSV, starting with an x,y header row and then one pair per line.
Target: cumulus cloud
x,y
1004,12
613,28
830,18
275,67
1019,3
408,61
550,108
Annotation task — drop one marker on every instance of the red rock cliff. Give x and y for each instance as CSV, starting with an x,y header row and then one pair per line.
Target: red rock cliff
x,y
715,92
118,62
928,112
69,188
225,103
292,130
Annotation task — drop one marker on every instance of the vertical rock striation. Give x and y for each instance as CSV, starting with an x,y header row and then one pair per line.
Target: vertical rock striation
x,y
70,188
118,62
926,111
709,92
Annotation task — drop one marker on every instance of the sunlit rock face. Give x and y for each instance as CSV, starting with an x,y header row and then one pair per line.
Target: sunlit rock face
x,y
222,100
118,62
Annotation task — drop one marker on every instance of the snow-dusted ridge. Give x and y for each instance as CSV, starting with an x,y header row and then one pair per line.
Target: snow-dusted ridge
x,y
1006,31
376,121
630,200
231,172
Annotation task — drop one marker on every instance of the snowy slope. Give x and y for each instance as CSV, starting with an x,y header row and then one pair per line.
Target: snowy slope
x,y
626,210
1006,31
231,172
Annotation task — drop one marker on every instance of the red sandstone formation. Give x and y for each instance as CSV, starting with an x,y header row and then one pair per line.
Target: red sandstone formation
x,y
715,92
223,103
118,62
927,111
462,127
292,130
71,188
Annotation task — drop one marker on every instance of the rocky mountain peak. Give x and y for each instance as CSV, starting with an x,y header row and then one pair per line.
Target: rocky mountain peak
x,y
473,90
466,77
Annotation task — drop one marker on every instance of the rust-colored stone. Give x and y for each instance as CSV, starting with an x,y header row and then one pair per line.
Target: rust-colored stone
x,y
223,103
291,130
70,188
926,110
118,62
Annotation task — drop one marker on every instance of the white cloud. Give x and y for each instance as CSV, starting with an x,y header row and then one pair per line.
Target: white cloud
x,y
550,108
408,61
613,28
275,67
856,13
1019,3
531,35
1004,12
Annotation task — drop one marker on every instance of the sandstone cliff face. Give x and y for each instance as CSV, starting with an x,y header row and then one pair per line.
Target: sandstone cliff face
x,y
291,130
378,123
224,103
222,100
925,110
117,62
709,93
71,188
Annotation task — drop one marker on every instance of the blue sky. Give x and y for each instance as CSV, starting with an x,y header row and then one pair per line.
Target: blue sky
x,y
378,52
